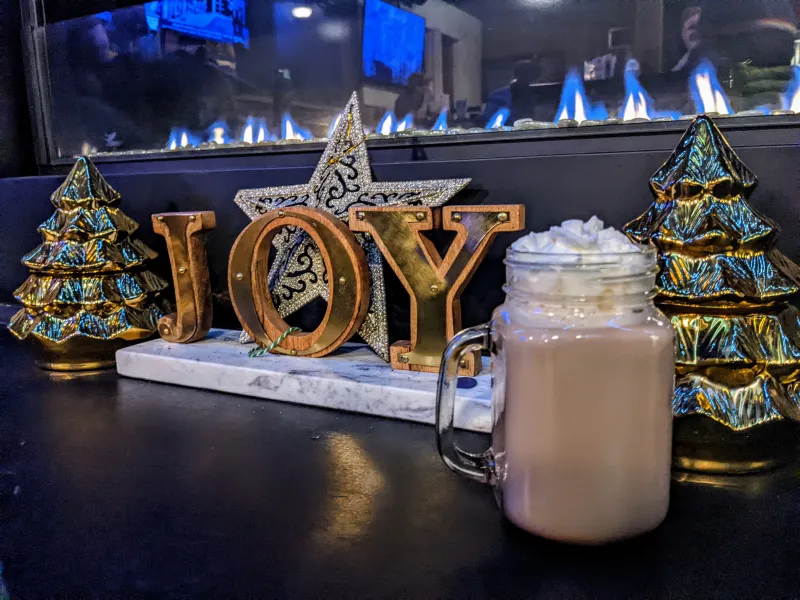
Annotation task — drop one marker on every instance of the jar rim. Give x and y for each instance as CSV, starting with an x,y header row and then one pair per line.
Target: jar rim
x,y
578,260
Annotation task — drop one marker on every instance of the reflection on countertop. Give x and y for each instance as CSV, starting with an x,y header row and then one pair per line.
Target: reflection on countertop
x,y
130,489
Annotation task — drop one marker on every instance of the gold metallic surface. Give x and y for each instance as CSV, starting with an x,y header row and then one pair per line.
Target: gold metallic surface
x,y
252,299
434,283
723,466
752,485
184,234
725,288
770,339
77,354
89,293
703,444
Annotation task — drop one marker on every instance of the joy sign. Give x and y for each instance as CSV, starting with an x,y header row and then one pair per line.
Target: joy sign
x,y
316,255
434,283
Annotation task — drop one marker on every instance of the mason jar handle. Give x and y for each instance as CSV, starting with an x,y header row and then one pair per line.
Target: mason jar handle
x,y
474,466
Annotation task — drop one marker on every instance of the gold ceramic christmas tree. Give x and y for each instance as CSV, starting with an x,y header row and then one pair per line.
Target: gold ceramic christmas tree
x,y
89,292
725,288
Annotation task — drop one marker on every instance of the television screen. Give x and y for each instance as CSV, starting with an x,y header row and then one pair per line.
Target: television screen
x,y
393,42
217,21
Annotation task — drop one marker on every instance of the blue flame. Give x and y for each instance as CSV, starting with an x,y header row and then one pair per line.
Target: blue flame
x,y
290,130
441,122
334,123
180,137
387,124
406,124
255,130
575,104
638,103
764,109
498,119
706,90
791,99
218,133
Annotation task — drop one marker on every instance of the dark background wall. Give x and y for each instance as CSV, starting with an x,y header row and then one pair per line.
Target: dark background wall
x,y
16,147
556,179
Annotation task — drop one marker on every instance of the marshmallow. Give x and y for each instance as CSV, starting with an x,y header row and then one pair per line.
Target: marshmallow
x,y
573,274
577,237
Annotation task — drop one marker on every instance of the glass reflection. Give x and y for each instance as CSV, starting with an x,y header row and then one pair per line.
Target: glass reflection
x,y
177,74
639,104
707,92
351,500
791,98
575,104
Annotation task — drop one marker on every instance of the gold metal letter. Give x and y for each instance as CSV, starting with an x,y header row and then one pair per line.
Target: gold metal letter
x,y
348,281
184,233
434,283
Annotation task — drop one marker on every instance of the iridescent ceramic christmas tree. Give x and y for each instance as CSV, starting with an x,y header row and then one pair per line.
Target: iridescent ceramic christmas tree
x,y
89,292
726,289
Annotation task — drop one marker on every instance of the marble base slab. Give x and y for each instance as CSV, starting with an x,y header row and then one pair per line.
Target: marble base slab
x,y
352,379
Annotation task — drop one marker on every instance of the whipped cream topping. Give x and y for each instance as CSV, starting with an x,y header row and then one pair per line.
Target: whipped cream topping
x,y
578,274
577,237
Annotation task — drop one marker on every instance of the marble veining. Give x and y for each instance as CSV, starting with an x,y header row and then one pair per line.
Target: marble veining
x,y
352,379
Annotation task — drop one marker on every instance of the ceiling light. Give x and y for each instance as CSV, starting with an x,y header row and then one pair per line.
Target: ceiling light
x,y
301,12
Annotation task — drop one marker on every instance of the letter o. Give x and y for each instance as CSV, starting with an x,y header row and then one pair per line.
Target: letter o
x,y
348,281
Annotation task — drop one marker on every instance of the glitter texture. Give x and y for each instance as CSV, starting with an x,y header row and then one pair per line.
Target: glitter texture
x,y
342,180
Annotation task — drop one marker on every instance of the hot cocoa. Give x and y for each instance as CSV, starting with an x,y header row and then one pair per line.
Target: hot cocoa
x,y
582,365
583,435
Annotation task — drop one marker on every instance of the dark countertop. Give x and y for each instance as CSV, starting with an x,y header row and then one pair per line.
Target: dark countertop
x,y
113,488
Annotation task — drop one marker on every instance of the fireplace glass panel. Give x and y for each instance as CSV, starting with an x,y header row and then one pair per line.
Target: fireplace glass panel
x,y
120,78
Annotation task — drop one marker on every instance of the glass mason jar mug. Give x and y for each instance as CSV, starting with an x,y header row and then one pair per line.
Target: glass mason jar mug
x,y
582,378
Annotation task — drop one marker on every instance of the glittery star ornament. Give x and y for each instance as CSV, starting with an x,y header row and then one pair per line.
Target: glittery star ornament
x,y
342,180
